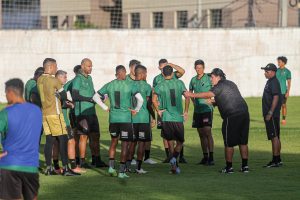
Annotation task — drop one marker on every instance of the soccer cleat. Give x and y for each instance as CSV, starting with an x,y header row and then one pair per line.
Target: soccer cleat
x,y
112,172
50,172
79,170
182,160
58,171
244,169
141,171
84,165
177,170
226,170
123,175
150,161
69,172
283,122
100,163
210,162
204,161
133,162
128,170
173,165
271,164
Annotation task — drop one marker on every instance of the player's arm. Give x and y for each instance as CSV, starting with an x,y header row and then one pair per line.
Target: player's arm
x,y
98,98
273,106
287,94
179,70
139,100
150,108
203,95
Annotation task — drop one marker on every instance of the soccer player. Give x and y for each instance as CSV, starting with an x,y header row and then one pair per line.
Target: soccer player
x,y
31,91
141,121
120,93
87,120
234,112
284,77
51,94
169,108
271,103
159,78
66,105
203,113
20,129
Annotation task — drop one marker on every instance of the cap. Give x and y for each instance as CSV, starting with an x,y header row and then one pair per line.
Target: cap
x,y
270,67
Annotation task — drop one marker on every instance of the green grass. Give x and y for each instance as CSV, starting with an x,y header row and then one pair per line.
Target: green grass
x,y
195,182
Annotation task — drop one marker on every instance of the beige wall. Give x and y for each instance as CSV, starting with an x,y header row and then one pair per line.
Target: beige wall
x,y
65,7
0,14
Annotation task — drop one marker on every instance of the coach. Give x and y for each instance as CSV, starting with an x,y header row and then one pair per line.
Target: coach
x,y
271,103
235,115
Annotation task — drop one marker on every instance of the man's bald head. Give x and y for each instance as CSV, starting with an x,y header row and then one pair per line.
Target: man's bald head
x,y
86,66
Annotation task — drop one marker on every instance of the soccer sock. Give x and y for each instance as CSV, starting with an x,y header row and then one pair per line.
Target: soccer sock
x,y
274,159
77,161
122,167
72,163
244,162
205,155
147,154
167,152
111,162
93,160
283,117
176,154
139,164
211,155
228,165
181,153
82,160
279,158
128,163
56,165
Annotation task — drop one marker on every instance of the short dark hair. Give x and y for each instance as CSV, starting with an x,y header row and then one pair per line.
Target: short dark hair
x,y
16,85
60,72
76,69
167,70
47,60
218,72
283,59
163,60
38,72
134,63
120,67
199,62
139,68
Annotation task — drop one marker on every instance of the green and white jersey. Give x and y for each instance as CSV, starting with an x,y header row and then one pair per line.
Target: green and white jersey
x,y
159,78
143,116
170,99
65,109
201,85
85,86
120,93
283,75
128,78
30,88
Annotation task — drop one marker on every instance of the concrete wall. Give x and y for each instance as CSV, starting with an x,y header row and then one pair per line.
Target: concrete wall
x,y
240,53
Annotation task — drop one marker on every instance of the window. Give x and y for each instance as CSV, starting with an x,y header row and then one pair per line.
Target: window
x,y
216,18
158,20
135,20
80,19
53,22
182,19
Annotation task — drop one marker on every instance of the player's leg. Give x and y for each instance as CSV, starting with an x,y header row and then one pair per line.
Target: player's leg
x,y
83,130
284,110
126,136
177,131
229,140
48,155
210,144
55,156
114,130
244,122
167,150
204,146
144,135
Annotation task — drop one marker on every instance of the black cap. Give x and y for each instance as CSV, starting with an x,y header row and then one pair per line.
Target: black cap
x,y
218,72
270,67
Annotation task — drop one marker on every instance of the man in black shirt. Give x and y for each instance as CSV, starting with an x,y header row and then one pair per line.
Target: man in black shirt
x,y
235,115
271,103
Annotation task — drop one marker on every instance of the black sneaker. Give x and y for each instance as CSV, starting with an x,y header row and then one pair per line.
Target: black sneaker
x,y
271,164
210,162
226,170
204,161
182,160
100,163
280,163
50,172
244,169
85,165
69,172
167,160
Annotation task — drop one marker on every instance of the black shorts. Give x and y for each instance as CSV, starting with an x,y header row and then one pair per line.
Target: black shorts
x,y
124,131
72,118
158,122
87,124
201,120
235,130
273,127
173,131
15,185
142,132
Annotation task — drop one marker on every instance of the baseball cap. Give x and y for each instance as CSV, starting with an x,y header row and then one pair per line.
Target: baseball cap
x,y
270,67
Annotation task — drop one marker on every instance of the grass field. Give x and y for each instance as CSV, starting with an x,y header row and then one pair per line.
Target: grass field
x,y
195,182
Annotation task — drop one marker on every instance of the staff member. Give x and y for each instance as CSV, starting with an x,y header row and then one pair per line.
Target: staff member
x,y
235,115
20,130
271,103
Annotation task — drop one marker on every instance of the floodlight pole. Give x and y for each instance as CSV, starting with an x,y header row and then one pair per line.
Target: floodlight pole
x,y
199,12
282,13
250,20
